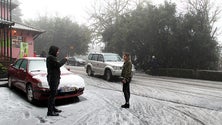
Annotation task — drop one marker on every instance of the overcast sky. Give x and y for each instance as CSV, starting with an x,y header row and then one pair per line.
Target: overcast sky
x,y
77,9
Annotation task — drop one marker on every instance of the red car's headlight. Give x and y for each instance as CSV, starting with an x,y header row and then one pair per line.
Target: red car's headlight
x,y
39,84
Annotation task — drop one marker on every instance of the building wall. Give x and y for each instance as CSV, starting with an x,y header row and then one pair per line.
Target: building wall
x,y
25,37
19,36
30,41
4,29
4,11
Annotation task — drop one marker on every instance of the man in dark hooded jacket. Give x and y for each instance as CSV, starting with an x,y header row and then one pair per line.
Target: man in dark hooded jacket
x,y
53,77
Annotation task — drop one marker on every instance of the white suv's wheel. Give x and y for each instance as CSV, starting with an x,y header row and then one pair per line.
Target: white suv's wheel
x,y
89,71
108,75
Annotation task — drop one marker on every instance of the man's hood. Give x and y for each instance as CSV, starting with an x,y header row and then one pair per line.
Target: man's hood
x,y
53,50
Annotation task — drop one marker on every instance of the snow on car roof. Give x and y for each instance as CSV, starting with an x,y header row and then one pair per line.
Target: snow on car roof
x,y
34,58
104,53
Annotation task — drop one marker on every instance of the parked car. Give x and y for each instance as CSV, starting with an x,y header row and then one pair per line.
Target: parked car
x,y
74,61
107,64
29,75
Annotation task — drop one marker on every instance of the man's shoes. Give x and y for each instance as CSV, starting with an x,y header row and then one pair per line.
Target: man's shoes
x,y
52,114
57,110
125,106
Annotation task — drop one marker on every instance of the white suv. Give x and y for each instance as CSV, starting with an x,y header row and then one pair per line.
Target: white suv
x,y
106,64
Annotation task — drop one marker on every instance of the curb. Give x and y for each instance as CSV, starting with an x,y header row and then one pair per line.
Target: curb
x,y
3,79
3,82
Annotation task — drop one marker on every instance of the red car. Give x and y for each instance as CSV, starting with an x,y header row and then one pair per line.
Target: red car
x,y
29,75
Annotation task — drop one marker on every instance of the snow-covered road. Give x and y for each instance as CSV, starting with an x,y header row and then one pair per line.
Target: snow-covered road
x,y
154,101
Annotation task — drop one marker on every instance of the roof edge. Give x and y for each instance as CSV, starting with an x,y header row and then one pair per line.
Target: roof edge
x,y
28,27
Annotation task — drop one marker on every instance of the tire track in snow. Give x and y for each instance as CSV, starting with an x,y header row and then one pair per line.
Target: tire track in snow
x,y
111,87
140,115
116,107
192,82
86,115
171,87
189,115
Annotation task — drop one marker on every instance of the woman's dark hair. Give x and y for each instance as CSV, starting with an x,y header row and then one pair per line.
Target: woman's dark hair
x,y
126,54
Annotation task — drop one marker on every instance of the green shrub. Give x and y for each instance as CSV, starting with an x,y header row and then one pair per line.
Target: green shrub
x,y
209,75
162,72
190,73
184,73
3,71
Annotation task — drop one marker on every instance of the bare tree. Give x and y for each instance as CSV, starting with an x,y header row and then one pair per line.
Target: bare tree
x,y
209,10
105,13
16,13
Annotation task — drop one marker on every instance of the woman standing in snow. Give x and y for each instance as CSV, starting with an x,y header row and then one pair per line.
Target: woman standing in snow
x,y
127,75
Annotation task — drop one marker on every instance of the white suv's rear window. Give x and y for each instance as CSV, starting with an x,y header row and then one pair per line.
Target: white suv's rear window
x,y
112,58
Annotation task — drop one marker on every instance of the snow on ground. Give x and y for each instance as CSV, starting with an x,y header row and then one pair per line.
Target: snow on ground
x,y
154,101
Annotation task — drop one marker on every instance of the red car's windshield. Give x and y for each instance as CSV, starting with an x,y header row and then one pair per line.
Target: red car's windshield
x,y
40,65
37,65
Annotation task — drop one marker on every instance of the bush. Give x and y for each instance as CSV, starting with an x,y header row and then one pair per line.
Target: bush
x,y
3,71
209,75
183,73
189,73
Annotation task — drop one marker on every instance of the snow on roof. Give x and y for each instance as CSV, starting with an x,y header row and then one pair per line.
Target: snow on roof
x,y
2,21
26,27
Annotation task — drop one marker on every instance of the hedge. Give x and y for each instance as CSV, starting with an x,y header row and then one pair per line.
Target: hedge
x,y
3,71
189,73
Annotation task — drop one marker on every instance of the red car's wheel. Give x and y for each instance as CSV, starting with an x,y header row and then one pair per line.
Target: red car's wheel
x,y
29,93
10,82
